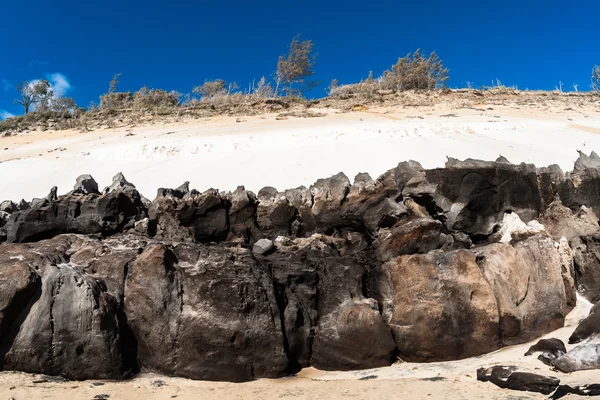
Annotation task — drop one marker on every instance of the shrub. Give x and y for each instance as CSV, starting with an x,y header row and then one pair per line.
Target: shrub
x,y
211,88
153,99
415,72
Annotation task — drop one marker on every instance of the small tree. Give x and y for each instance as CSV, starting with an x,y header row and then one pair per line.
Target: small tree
x,y
296,66
415,72
596,78
33,93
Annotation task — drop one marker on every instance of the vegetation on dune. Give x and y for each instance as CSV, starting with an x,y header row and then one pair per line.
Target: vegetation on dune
x,y
413,73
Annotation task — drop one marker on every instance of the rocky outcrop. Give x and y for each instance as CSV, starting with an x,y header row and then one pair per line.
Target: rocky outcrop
x,y
113,212
424,265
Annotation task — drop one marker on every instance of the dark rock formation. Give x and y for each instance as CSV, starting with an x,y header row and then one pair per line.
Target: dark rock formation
x,y
86,185
510,378
113,212
422,264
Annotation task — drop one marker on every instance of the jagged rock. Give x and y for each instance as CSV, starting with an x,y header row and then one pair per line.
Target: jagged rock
x,y
560,221
502,160
263,246
23,205
53,195
118,183
583,357
178,193
106,214
8,207
242,216
510,378
203,218
211,314
86,185
479,193
274,214
588,327
584,162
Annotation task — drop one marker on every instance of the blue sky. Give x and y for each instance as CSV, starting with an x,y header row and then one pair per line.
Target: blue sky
x,y
175,45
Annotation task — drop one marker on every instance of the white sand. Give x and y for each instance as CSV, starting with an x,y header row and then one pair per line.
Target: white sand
x,y
262,151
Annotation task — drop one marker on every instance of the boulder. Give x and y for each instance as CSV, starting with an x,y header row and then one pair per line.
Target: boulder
x,y
438,305
527,281
263,246
210,314
118,183
329,320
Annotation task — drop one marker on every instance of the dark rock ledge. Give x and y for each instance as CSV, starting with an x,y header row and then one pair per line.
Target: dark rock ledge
x,y
425,265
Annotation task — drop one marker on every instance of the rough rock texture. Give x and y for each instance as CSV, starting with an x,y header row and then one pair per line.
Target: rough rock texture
x,y
437,299
106,214
66,323
419,264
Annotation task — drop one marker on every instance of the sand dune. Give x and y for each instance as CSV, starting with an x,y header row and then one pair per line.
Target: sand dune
x,y
262,151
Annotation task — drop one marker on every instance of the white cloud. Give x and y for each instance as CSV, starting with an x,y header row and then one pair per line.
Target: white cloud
x,y
60,84
6,85
5,114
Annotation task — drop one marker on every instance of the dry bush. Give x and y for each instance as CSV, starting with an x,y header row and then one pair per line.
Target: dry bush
x,y
415,72
155,100
115,101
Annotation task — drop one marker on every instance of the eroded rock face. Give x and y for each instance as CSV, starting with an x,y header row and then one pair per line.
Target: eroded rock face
x,y
68,325
422,264
210,313
106,214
